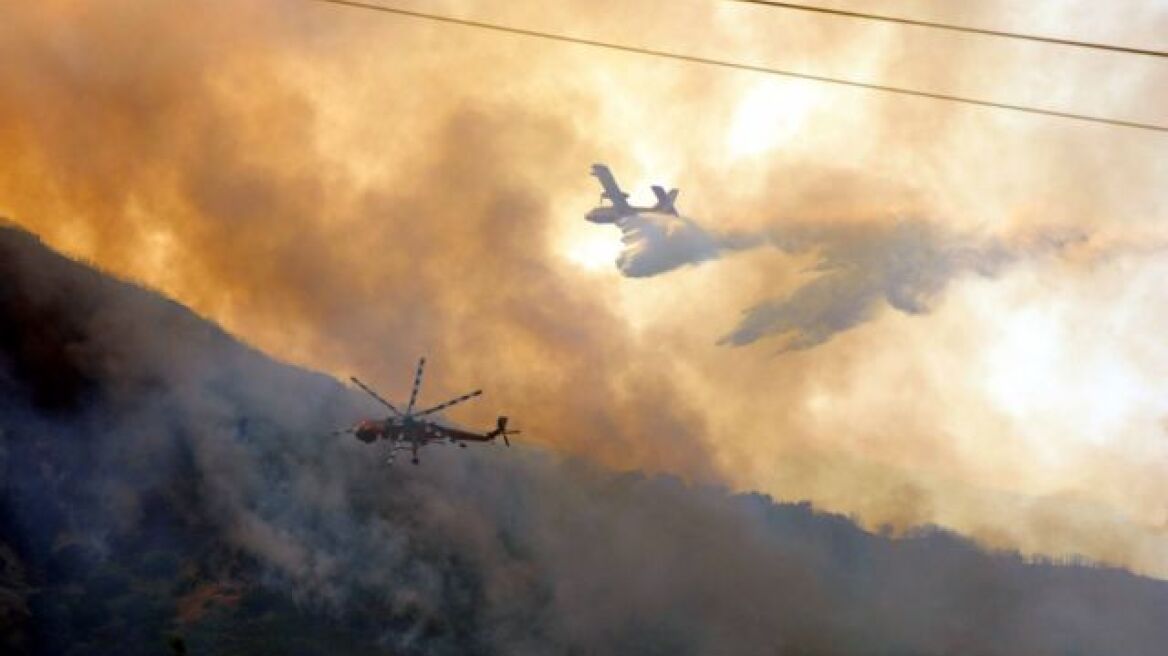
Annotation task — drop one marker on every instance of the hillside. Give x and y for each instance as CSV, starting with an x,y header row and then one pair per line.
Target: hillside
x,y
161,483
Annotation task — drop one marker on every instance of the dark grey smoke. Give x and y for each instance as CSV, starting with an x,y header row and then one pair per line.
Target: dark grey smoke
x,y
162,484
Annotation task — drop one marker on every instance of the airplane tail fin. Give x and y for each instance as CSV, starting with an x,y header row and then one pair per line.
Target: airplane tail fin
x,y
612,190
665,199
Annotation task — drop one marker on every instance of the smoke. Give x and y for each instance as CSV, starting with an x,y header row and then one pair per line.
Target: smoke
x,y
252,215
861,267
656,243
186,462
906,266
348,191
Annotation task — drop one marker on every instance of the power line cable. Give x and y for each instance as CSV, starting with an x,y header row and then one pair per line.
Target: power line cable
x,y
739,66
954,28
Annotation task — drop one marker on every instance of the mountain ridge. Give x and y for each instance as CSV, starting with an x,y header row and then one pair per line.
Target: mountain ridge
x,y
164,482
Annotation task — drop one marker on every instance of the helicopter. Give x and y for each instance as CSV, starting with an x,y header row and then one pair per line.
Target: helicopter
x,y
413,429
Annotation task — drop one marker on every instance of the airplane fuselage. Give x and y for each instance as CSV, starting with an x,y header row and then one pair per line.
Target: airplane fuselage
x,y
608,214
605,215
618,207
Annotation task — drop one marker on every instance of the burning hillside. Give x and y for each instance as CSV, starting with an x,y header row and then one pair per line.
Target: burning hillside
x,y
160,482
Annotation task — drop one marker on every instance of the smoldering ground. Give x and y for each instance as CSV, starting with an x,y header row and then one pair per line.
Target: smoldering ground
x,y
148,458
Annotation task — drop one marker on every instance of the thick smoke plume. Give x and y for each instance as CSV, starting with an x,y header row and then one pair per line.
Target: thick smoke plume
x,y
242,207
348,191
160,479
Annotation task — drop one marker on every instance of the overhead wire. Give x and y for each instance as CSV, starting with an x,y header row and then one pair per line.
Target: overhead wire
x,y
726,64
954,28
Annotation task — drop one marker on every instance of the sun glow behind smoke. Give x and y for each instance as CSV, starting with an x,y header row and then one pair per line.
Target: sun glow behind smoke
x,y
1067,375
770,115
590,247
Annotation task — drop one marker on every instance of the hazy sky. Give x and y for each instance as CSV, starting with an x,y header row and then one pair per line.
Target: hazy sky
x,y
348,190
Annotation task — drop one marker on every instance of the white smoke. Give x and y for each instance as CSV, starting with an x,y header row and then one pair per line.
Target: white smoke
x,y
656,243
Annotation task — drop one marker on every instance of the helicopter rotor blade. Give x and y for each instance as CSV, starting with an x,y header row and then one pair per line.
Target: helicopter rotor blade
x,y
447,404
375,395
417,385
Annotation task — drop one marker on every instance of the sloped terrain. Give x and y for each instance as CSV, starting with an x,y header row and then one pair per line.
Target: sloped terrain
x,y
164,487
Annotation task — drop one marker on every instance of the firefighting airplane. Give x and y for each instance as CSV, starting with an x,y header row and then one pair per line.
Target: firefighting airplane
x,y
619,207
411,430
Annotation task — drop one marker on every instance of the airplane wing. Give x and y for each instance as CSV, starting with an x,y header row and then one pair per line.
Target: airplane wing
x,y
612,191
